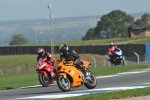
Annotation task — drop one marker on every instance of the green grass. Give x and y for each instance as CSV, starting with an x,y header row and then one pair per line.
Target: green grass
x,y
18,60
102,71
12,81
100,41
112,95
93,42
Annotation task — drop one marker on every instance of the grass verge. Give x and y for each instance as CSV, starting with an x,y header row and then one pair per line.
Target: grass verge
x,y
112,95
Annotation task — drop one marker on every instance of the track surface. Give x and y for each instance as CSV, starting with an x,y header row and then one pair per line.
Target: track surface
x,y
105,82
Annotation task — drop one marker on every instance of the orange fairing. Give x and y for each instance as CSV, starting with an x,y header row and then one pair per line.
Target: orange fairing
x,y
69,69
86,63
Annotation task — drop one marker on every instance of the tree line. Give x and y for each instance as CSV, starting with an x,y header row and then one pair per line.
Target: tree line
x,y
114,25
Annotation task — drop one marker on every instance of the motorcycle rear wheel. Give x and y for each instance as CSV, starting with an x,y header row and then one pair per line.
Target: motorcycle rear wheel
x,y
44,80
63,83
92,82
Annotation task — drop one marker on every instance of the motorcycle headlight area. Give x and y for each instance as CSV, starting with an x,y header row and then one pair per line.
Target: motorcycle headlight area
x,y
40,66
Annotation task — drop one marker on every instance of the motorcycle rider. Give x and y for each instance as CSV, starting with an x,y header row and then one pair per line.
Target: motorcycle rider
x,y
111,49
70,55
50,60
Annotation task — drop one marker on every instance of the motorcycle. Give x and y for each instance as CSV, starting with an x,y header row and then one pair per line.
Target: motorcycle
x,y
69,76
117,58
44,72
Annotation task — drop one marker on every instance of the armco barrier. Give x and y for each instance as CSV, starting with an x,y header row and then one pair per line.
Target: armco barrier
x,y
128,49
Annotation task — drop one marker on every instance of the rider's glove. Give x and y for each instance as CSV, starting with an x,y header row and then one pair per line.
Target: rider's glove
x,y
76,61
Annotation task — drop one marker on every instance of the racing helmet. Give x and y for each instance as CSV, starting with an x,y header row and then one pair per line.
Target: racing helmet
x,y
111,45
40,51
63,48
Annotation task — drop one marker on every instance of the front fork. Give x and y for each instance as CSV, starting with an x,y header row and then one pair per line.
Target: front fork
x,y
44,72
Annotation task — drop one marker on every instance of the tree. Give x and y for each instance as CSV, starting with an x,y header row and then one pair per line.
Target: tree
x,y
89,35
144,19
114,24
18,39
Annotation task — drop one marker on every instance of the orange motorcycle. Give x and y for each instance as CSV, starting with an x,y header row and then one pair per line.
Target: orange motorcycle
x,y
69,76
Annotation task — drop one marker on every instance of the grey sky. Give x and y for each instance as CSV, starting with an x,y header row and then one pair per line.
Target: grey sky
x,y
37,9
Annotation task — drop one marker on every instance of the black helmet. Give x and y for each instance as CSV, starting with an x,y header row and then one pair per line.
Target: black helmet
x,y
63,48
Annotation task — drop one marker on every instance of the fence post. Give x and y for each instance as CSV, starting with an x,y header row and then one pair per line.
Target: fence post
x,y
5,69
104,62
94,61
27,68
137,57
107,59
16,69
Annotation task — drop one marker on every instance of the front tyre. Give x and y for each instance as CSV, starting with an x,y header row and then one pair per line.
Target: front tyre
x,y
63,83
91,81
44,80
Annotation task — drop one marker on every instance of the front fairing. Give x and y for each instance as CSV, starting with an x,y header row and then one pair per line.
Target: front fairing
x,y
42,66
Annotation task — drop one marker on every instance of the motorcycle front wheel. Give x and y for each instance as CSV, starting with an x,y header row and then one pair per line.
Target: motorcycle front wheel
x,y
63,83
91,81
44,80
122,62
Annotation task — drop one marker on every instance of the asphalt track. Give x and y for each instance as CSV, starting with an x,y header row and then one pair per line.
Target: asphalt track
x,y
120,81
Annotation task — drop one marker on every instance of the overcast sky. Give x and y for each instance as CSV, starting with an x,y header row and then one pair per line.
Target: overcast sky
x,y
37,9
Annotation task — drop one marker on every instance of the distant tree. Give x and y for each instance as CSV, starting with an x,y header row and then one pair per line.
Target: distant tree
x,y
114,24
144,19
89,35
18,39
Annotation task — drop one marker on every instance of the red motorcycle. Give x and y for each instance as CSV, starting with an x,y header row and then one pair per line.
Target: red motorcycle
x,y
44,72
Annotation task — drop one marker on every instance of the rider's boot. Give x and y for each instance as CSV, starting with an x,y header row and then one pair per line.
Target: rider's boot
x,y
52,74
53,77
83,71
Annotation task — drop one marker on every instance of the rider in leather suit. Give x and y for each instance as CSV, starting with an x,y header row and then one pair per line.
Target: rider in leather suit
x,y
70,55
50,60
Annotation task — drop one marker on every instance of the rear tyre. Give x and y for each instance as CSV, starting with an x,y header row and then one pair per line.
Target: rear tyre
x,y
44,80
63,83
